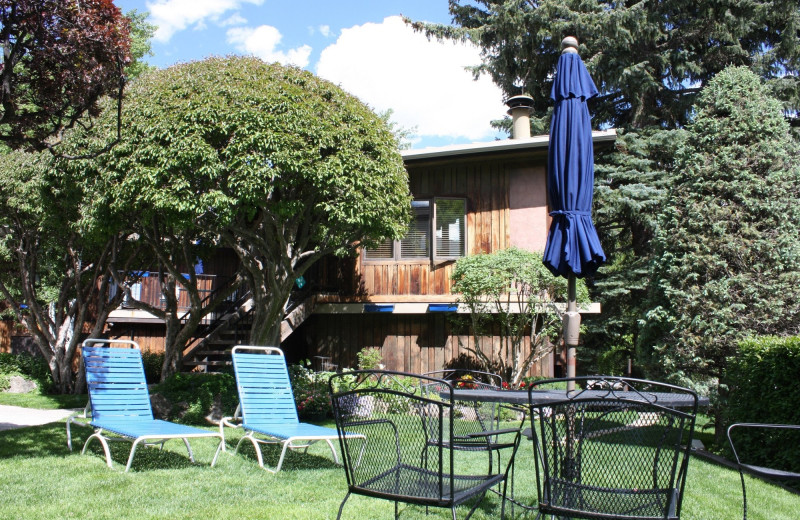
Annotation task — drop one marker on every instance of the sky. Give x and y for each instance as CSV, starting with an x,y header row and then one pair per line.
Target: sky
x,y
361,45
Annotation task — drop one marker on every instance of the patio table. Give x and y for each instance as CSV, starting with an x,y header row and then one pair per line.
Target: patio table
x,y
547,396
543,397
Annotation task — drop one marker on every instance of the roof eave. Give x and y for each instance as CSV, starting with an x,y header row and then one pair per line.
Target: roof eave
x,y
500,146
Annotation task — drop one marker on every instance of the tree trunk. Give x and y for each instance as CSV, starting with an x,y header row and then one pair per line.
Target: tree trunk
x,y
173,353
267,317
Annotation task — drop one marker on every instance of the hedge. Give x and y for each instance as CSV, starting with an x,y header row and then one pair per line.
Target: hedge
x,y
764,388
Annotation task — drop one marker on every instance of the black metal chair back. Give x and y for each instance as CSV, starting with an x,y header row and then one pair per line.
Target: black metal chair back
x,y
612,448
476,416
776,447
398,461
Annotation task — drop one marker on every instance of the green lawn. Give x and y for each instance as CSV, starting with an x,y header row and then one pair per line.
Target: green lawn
x,y
41,479
44,402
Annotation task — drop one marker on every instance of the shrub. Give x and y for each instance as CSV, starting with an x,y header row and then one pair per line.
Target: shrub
x,y
27,366
153,362
192,397
311,394
369,358
762,381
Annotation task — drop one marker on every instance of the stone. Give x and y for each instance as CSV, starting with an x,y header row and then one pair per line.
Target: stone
x,y
20,385
216,411
162,407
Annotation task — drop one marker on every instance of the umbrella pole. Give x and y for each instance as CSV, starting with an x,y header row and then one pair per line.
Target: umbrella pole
x,y
572,328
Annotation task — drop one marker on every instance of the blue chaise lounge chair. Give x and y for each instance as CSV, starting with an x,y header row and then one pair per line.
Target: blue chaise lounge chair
x,y
267,406
120,403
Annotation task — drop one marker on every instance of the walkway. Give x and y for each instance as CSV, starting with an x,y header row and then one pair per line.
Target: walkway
x,y
17,417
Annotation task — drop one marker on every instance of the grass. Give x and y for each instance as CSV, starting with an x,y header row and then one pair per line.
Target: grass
x,y
43,402
43,480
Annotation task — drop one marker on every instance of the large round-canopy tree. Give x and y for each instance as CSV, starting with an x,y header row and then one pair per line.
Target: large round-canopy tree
x,y
272,161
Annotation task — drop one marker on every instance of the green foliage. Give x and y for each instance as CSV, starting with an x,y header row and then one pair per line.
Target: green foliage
x,y
272,161
727,259
369,358
27,366
631,183
141,32
153,363
647,58
311,393
226,138
51,255
512,289
650,60
193,396
762,382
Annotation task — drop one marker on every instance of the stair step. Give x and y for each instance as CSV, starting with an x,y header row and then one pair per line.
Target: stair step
x,y
207,363
202,353
223,341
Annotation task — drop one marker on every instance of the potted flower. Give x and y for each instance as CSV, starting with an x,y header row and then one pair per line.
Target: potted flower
x,y
466,382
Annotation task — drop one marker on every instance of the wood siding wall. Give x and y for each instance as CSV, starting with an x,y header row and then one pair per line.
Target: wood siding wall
x,y
485,187
423,342
409,343
149,336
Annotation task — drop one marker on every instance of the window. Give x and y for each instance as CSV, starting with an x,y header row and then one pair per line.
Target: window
x,y
417,243
438,230
451,228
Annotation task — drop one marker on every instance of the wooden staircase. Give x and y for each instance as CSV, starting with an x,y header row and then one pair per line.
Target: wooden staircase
x,y
211,350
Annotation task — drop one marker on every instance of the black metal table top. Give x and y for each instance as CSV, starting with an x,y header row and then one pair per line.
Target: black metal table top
x,y
548,396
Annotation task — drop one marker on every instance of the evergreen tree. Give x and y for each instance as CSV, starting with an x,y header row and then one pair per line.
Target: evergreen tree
x,y
727,261
631,182
648,59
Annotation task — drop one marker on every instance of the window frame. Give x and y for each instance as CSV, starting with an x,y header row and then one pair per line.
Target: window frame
x,y
433,256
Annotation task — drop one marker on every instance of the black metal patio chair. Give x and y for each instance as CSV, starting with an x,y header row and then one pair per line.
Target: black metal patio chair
x,y
613,448
775,442
477,416
409,454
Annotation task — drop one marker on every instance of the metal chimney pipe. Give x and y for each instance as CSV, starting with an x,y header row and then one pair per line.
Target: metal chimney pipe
x,y
519,108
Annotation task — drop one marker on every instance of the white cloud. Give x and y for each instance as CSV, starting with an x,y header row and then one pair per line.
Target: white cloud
x,y
172,16
263,42
388,65
325,30
234,19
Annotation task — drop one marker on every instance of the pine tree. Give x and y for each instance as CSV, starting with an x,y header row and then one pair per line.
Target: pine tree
x,y
727,261
649,59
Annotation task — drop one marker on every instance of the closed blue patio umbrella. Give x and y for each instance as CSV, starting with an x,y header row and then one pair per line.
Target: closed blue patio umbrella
x,y
573,248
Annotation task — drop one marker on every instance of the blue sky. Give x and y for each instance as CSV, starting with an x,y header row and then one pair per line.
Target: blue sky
x,y
361,45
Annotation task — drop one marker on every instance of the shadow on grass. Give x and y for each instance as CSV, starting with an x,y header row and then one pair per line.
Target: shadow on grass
x,y
318,457
50,440
173,456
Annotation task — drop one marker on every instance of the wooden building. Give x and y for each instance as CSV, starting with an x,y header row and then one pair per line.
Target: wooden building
x,y
467,200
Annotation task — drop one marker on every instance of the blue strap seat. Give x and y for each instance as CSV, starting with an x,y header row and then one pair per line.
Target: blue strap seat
x,y
120,402
267,407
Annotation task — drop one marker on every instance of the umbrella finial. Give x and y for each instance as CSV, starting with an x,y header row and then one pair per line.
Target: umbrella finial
x,y
569,44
